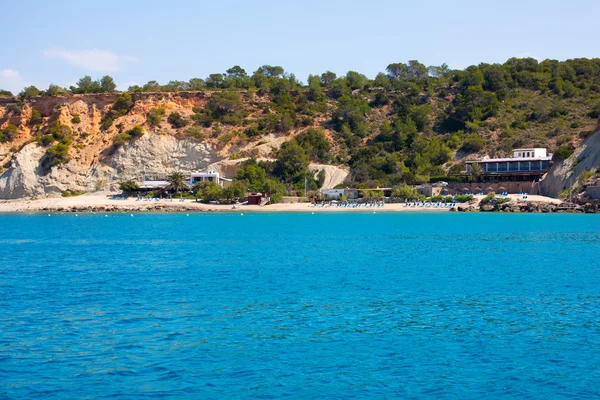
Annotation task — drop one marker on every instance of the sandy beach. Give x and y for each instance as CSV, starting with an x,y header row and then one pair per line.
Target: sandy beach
x,y
104,202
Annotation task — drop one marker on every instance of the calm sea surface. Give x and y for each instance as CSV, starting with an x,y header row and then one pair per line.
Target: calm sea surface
x,y
299,305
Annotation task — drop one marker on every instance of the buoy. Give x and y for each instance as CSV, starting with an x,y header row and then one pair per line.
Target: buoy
x,y
187,215
106,215
131,215
313,213
77,215
241,215
48,214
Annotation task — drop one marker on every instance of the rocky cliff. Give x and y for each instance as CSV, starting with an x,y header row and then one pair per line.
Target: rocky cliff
x,y
95,158
564,174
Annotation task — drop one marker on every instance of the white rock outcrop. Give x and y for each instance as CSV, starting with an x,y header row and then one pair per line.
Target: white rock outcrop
x,y
564,174
151,155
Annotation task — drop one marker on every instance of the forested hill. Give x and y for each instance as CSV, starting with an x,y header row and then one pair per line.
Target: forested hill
x,y
409,124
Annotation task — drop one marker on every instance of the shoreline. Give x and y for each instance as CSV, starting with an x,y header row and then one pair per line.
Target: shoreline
x,y
89,203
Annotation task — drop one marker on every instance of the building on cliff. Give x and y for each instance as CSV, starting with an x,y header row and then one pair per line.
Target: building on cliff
x,y
525,165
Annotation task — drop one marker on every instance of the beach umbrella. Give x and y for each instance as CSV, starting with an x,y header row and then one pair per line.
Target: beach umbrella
x,y
489,189
465,189
477,189
502,188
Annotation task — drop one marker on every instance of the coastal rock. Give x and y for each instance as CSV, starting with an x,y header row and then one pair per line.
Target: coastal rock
x,y
564,174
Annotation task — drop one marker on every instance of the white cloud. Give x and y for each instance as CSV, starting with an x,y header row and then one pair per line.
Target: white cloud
x,y
93,60
12,80
9,73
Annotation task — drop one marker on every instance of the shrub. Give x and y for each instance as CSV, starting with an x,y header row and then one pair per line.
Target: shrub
x,y
194,132
47,140
125,137
76,119
59,154
129,186
60,132
253,131
71,193
226,138
8,134
36,117
595,113
472,144
463,198
487,199
136,132
563,152
122,105
155,115
176,120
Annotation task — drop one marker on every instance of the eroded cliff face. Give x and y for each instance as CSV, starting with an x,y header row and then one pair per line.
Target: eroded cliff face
x,y
97,163
564,174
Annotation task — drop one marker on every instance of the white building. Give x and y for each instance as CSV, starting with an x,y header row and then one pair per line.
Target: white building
x,y
195,177
535,152
208,176
525,164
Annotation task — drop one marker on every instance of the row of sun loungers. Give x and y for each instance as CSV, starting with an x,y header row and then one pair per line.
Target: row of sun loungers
x,y
348,205
156,199
430,205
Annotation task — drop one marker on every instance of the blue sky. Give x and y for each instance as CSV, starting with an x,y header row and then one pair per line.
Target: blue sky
x,y
137,41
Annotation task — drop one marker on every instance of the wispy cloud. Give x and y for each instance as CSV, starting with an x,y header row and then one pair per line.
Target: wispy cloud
x,y
12,80
93,60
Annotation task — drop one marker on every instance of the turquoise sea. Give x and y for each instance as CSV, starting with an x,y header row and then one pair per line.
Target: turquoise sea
x,y
342,306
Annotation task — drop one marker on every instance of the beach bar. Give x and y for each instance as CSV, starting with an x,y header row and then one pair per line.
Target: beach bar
x,y
525,165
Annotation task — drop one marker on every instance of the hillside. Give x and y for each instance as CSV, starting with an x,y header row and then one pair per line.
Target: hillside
x,y
410,125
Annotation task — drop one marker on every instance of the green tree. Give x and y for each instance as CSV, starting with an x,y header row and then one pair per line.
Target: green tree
x,y
315,93
355,80
5,93
292,160
252,175
275,189
86,85
475,170
208,191
271,71
176,182
107,84
327,78
351,112
236,190
315,143
55,90
29,91
405,192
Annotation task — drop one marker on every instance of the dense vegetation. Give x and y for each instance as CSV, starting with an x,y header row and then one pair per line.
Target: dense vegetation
x,y
409,124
